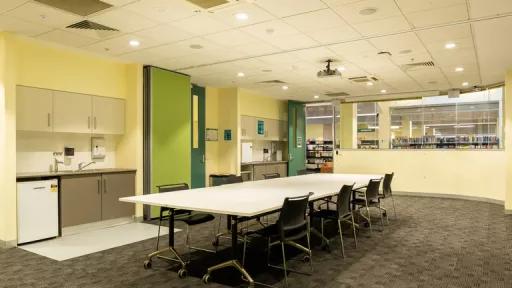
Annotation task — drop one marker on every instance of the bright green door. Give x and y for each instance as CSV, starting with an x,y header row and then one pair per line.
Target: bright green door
x,y
198,133
296,137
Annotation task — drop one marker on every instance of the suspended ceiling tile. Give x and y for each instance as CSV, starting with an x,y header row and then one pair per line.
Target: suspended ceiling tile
x,y
165,33
257,48
356,49
478,8
293,42
44,15
443,35
66,38
317,20
315,55
398,43
283,8
270,30
354,13
162,10
383,26
124,20
119,45
231,38
408,6
119,2
254,13
201,24
6,5
15,25
438,16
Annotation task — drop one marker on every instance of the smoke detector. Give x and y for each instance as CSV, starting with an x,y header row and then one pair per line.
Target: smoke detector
x,y
328,72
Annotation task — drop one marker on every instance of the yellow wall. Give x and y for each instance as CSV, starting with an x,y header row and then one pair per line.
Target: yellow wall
x,y
258,105
508,139
211,121
33,63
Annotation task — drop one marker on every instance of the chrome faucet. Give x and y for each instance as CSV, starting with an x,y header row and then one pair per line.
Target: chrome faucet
x,y
56,164
82,165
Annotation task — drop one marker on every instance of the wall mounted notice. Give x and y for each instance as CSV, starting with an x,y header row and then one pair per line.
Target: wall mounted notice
x,y
212,134
261,127
227,135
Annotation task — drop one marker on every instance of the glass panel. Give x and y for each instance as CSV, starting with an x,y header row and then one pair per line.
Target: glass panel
x,y
195,121
319,135
367,126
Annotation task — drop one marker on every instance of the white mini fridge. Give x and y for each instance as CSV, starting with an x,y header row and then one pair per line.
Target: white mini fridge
x,y
38,210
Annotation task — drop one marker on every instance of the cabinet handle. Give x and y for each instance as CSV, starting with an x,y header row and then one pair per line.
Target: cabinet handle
x,y
99,186
95,122
88,122
49,124
104,186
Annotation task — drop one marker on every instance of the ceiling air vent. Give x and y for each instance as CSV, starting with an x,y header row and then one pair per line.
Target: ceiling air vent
x,y
89,25
79,7
207,4
363,79
418,65
336,94
271,82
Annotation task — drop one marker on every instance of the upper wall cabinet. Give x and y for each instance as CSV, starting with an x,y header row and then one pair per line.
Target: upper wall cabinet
x,y
273,130
72,112
34,109
108,115
57,111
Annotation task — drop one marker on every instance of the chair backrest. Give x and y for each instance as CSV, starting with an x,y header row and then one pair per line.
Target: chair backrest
x,y
234,179
386,185
172,187
302,172
372,190
292,221
271,175
343,201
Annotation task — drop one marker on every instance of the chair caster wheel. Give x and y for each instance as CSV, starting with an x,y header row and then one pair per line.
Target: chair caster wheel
x,y
206,278
147,264
182,273
306,259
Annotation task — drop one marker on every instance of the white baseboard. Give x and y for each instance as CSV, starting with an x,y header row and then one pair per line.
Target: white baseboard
x,y
8,244
450,196
96,225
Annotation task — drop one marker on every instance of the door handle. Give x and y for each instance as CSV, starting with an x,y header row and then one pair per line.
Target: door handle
x,y
99,186
204,159
104,186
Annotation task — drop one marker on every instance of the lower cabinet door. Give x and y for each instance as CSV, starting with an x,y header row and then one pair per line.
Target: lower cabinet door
x,y
80,199
115,186
259,170
282,169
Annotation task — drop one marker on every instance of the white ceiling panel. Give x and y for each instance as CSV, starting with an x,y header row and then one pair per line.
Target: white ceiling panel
x,y
317,20
120,45
270,29
67,38
293,42
254,13
162,10
15,25
201,24
479,8
283,8
356,49
166,33
408,6
256,48
438,16
119,2
383,26
44,15
124,20
334,35
6,5
230,38
493,44
315,55
398,42
352,13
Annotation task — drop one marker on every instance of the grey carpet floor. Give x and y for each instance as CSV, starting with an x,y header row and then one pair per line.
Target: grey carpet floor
x,y
433,243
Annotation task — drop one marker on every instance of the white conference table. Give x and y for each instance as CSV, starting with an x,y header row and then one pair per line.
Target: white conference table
x,y
248,199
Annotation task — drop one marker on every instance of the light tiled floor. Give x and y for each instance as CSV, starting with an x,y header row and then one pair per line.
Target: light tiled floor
x,y
88,242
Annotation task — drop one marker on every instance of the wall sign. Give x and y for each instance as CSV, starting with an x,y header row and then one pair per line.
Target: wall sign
x,y
212,134
299,142
261,127
227,135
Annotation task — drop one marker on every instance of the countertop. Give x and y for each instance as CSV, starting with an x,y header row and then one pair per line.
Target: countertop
x,y
26,175
264,162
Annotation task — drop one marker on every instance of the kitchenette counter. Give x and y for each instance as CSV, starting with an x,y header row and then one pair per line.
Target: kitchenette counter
x,y
265,162
30,175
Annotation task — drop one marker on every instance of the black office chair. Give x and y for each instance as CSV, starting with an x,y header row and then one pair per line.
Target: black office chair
x,y
387,192
343,213
370,198
292,225
302,172
271,176
185,216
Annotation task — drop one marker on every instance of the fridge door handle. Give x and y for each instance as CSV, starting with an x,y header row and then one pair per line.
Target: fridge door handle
x,y
104,186
99,186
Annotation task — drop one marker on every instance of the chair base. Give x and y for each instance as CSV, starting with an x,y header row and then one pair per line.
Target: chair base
x,y
231,263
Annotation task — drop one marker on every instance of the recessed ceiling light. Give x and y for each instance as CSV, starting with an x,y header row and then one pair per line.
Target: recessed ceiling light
x,y
241,16
368,11
134,43
196,46
341,68
284,87
406,51
450,45
459,69
369,83
240,74
465,83
383,91
316,96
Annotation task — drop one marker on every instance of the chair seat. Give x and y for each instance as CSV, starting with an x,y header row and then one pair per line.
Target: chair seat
x,y
196,219
362,202
272,232
326,214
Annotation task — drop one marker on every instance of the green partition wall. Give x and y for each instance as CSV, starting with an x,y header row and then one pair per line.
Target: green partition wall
x,y
167,130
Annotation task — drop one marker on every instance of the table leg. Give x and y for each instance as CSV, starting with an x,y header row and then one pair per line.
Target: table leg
x,y
171,228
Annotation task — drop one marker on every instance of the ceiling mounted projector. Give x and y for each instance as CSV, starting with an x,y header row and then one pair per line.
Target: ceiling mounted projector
x,y
328,72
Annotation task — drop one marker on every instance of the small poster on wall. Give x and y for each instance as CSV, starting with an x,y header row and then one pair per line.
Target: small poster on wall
x,y
227,135
261,127
299,142
212,134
